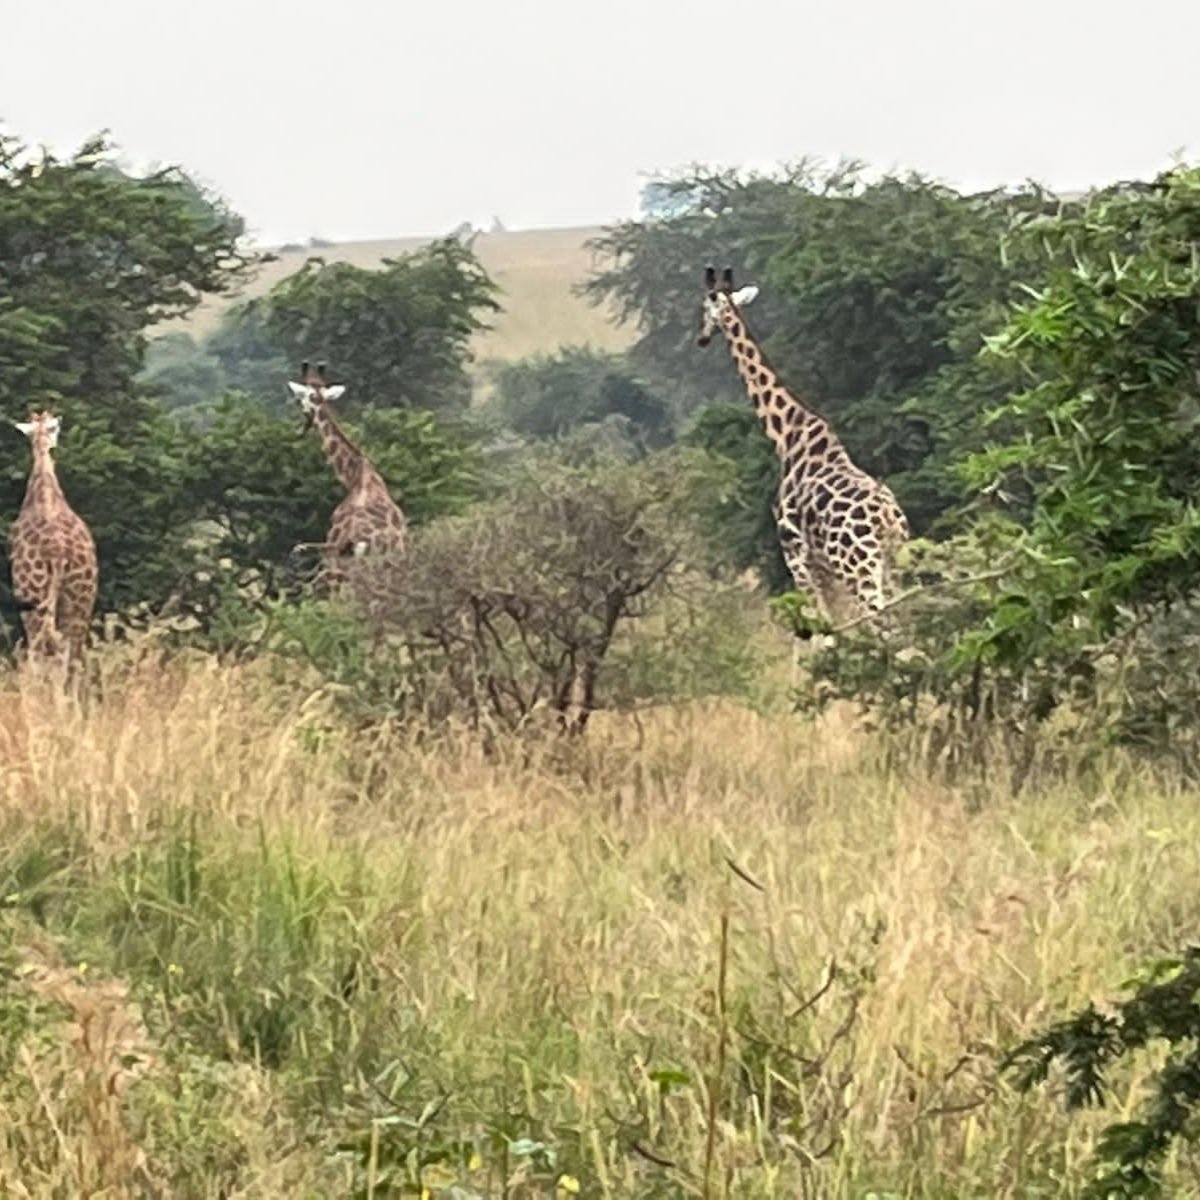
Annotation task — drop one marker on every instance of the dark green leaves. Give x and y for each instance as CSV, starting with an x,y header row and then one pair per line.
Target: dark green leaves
x,y
397,337
90,257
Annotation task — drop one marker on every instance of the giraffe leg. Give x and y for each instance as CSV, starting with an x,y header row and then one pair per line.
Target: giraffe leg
x,y
874,594
39,632
76,602
798,560
41,621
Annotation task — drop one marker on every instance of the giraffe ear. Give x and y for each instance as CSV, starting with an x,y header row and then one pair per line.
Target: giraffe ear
x,y
744,296
25,427
299,390
335,392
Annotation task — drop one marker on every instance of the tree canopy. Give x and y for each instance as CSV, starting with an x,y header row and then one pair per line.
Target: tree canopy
x,y
398,336
90,258
1102,435
548,395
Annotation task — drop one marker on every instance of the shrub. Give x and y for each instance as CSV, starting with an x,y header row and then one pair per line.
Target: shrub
x,y
585,588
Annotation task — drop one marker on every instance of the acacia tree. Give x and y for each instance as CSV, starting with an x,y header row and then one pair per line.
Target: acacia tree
x,y
531,606
398,336
1110,348
90,258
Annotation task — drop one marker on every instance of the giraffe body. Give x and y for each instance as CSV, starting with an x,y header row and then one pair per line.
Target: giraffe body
x,y
839,527
53,557
367,530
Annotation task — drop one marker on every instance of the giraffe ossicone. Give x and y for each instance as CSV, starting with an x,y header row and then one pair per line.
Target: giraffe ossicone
x,y
839,527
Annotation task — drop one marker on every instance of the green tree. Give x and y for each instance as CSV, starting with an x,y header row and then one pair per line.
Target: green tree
x,y
90,258
1073,584
181,373
738,517
397,336
251,358
547,395
1106,449
652,268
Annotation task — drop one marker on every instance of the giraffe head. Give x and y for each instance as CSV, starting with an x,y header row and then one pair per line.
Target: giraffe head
x,y
313,391
41,429
720,301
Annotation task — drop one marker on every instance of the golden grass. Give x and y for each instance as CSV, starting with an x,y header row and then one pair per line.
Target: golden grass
x,y
533,948
536,270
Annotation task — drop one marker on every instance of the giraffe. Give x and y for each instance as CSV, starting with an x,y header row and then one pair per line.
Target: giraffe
x,y
368,523
839,528
52,556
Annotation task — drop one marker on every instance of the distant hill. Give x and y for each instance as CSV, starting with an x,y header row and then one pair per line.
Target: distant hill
x,y
536,270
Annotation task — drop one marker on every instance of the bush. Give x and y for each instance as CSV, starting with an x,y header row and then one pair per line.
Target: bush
x,y
1162,1009
1066,608
585,588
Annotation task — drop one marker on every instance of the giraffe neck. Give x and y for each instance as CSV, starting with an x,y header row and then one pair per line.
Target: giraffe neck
x,y
788,423
43,488
349,463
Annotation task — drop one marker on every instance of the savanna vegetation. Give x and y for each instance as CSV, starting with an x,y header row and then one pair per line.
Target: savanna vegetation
x,y
549,874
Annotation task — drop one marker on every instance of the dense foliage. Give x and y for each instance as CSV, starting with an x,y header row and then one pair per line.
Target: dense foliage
x,y
1108,351
89,259
397,335
875,299
1075,567
549,395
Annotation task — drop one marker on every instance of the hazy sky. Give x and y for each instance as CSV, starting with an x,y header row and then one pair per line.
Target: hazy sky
x,y
355,120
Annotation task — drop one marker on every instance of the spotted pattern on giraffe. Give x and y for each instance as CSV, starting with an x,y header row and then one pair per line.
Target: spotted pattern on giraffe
x,y
367,524
52,557
839,527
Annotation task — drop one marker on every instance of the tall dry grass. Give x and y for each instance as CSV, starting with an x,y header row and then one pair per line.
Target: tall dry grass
x,y
707,952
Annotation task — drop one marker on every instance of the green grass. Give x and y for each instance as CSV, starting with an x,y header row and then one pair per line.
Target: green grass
x,y
714,953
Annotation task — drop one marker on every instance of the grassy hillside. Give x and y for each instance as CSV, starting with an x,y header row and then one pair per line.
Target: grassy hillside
x,y
251,953
536,270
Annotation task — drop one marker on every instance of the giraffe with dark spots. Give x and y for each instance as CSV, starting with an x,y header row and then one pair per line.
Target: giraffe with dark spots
x,y
839,527
368,528
52,557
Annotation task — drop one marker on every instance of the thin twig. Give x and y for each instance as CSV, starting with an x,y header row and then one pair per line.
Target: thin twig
x,y
744,876
939,585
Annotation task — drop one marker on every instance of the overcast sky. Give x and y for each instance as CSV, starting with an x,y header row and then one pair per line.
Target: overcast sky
x,y
350,119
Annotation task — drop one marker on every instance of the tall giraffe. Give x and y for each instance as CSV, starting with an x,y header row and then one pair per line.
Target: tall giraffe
x,y
368,524
52,556
839,527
